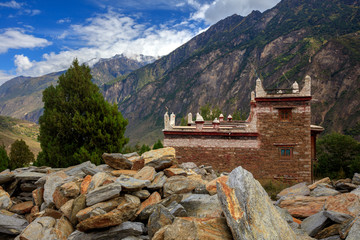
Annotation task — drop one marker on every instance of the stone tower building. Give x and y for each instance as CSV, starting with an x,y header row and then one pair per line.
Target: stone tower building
x,y
276,141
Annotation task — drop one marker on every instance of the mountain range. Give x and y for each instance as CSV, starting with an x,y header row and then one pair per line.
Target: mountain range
x,y
219,67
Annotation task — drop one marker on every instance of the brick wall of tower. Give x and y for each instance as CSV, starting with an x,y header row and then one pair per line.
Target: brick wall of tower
x,y
260,155
276,134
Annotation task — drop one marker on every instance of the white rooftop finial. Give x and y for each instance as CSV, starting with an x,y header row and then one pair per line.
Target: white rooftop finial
x,y
199,118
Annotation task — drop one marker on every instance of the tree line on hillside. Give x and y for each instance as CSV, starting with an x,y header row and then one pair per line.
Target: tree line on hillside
x,y
78,125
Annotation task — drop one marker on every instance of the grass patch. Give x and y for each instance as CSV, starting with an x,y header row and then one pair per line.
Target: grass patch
x,y
273,187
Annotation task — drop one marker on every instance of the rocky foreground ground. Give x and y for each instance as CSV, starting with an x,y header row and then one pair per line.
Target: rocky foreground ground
x,y
152,197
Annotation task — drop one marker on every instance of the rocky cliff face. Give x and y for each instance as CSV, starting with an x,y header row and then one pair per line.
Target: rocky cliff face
x,y
220,66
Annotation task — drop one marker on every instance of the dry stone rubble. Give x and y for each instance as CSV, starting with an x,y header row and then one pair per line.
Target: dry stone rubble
x,y
153,197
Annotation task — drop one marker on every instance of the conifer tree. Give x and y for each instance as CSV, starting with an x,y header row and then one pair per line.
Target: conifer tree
x,y
158,145
4,159
20,155
78,124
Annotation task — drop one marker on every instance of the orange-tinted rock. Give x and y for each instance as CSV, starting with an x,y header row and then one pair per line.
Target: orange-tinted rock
x,y
298,221
125,172
124,212
146,173
108,181
315,184
5,201
195,228
348,203
59,198
303,206
70,189
105,206
85,184
52,213
160,158
66,208
153,199
211,186
249,212
329,231
22,208
62,228
138,163
169,172
38,195
179,184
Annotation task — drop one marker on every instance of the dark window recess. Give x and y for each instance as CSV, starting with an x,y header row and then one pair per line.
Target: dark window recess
x,y
285,114
286,153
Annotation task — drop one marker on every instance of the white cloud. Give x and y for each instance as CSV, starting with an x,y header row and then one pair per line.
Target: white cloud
x,y
22,63
109,34
64,20
220,9
11,4
16,39
5,77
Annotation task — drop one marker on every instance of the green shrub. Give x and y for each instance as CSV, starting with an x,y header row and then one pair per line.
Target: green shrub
x,y
20,155
158,145
4,159
338,156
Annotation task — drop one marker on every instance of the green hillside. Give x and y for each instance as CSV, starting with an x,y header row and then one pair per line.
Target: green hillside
x,y
12,129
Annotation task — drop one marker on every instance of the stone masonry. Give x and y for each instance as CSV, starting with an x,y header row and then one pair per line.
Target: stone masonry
x,y
273,143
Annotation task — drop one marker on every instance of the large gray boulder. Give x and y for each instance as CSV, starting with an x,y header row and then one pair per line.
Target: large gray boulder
x,y
248,209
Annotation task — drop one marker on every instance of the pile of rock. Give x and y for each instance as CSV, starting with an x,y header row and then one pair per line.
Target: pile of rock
x,y
328,209
152,197
128,197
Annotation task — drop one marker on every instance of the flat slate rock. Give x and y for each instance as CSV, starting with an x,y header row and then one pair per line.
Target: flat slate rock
x,y
12,225
202,205
132,184
124,230
6,177
323,191
117,161
103,193
315,223
29,176
337,216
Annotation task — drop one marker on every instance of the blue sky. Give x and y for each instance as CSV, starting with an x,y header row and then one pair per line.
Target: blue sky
x,y
41,36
